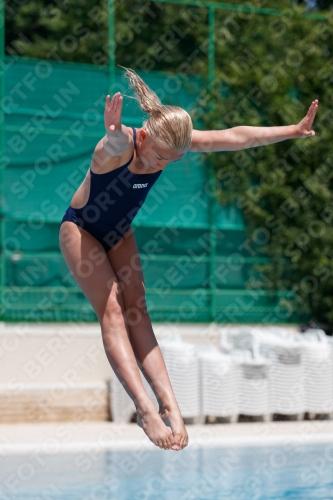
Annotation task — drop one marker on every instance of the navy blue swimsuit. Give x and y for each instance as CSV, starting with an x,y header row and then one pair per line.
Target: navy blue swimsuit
x,y
114,200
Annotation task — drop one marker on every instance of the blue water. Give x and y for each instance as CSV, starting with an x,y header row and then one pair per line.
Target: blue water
x,y
258,473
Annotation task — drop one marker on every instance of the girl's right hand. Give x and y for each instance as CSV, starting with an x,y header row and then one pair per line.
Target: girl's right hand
x,y
117,139
112,112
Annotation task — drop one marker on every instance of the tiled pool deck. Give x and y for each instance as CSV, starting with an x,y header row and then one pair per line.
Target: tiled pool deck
x,y
53,438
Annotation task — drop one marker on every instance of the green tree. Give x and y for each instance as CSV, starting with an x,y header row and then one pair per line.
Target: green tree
x,y
148,35
269,71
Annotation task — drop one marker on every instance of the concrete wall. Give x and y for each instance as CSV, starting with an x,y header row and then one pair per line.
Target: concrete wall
x,y
53,372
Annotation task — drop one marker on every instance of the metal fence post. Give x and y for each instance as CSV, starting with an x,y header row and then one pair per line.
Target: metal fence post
x,y
2,160
211,176
111,46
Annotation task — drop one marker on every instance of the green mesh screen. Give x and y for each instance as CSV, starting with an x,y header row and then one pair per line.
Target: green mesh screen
x,y
54,118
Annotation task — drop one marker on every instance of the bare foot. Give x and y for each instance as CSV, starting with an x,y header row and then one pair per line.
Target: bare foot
x,y
173,418
152,425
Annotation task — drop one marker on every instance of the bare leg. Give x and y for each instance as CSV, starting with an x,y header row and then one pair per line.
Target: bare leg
x,y
92,271
125,261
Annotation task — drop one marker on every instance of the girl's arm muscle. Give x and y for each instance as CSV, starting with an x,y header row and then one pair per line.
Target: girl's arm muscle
x,y
244,137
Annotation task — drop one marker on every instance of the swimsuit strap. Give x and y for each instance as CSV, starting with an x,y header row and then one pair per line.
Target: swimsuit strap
x,y
134,135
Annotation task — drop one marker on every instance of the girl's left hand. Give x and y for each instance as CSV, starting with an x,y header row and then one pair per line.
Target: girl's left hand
x,y
304,127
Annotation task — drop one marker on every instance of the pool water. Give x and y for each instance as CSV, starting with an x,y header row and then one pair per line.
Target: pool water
x,y
290,472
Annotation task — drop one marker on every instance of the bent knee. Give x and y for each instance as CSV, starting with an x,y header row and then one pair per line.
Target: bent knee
x,y
113,310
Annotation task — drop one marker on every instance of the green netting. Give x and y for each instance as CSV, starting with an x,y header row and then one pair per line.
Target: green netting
x,y
52,126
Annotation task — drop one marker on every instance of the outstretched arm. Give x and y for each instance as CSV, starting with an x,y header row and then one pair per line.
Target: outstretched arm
x,y
236,138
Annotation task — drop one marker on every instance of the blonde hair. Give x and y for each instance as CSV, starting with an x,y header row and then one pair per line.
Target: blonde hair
x,y
171,126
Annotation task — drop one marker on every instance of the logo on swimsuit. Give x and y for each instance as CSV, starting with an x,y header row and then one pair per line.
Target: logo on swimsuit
x,y
137,186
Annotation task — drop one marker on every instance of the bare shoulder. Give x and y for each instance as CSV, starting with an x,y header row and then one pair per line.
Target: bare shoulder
x,y
103,162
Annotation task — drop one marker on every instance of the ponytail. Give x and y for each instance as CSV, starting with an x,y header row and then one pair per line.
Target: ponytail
x,y
147,99
170,126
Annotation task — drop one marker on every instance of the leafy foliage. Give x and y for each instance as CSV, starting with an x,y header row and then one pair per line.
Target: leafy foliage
x,y
148,35
285,190
57,30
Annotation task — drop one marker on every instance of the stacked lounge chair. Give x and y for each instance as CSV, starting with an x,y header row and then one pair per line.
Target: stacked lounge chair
x,y
287,395
254,385
257,372
283,377
219,384
318,372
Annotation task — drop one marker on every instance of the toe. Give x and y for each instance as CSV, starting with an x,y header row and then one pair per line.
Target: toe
x,y
177,439
175,445
183,442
